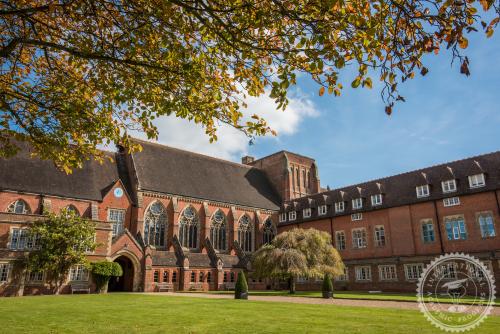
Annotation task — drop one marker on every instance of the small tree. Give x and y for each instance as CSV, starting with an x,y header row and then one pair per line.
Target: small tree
x,y
241,288
103,271
297,253
62,241
327,287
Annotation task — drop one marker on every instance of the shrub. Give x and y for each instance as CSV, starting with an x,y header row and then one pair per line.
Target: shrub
x,y
241,287
103,271
327,284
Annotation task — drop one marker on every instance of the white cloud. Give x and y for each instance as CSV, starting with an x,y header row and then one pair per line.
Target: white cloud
x,y
232,144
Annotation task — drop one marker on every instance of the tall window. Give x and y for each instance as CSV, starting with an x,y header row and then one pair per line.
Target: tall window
x,y
297,180
20,240
340,240
376,199
359,238
4,272
282,217
339,206
379,236
117,218
245,234
487,225
218,231
268,232
292,215
188,228
20,207
428,231
304,178
357,203
322,210
455,228
155,224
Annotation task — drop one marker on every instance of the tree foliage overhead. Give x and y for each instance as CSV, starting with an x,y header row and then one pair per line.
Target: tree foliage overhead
x,y
64,239
86,72
298,252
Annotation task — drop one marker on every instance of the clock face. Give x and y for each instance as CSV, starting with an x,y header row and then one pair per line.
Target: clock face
x,y
118,192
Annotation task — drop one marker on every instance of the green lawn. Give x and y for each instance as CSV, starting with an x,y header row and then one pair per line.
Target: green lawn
x,y
350,295
134,313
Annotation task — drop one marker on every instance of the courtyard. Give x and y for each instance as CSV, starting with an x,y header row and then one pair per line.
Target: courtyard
x,y
140,313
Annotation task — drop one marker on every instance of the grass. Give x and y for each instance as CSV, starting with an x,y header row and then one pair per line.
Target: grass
x,y
407,297
134,313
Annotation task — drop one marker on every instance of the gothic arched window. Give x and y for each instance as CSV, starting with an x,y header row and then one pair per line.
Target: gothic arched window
x,y
218,231
245,234
268,231
73,209
20,207
188,228
155,224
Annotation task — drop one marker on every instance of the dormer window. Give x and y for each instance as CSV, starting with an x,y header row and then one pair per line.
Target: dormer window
x,y
322,209
357,203
376,199
476,181
423,191
282,217
449,186
339,207
306,213
292,215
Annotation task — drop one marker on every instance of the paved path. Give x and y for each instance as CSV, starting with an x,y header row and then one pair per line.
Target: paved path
x,y
318,301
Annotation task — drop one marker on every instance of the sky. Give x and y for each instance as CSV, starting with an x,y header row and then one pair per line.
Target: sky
x,y
446,116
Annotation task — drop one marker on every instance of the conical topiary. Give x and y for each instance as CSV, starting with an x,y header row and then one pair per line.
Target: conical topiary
x,y
327,287
241,288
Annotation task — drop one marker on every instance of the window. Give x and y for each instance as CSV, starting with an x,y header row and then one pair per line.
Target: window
x,y
200,277
357,203
322,209
282,217
356,216
359,238
245,234
165,276
423,191
387,273
21,240
193,277
413,271
35,277
304,178
268,232
376,199
476,181
340,240
306,213
174,277
447,270
379,236
218,231
455,228
225,277
344,276
20,207
71,208
339,206
4,272
363,273
452,201
477,272
156,276
449,186
231,277
155,224
79,273
117,218
209,277
487,225
188,228
428,231
292,215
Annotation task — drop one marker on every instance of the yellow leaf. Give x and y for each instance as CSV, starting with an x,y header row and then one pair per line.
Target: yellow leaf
x,y
321,91
463,43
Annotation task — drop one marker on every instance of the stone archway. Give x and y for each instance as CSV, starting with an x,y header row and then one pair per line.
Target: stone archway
x,y
131,279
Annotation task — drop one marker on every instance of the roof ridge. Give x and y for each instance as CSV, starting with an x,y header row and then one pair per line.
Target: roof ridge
x,y
401,174
195,153
285,152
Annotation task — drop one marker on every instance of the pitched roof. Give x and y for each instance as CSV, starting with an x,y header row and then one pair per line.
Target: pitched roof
x,y
32,175
400,189
169,170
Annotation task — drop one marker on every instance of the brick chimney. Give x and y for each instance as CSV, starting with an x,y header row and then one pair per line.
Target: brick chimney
x,y
247,160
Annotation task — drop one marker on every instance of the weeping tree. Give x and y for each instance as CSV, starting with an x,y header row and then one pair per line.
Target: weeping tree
x,y
298,252
77,74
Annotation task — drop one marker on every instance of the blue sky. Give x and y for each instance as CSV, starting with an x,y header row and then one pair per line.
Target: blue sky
x,y
446,116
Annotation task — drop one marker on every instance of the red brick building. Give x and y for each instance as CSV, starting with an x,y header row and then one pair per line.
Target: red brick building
x,y
184,221
387,229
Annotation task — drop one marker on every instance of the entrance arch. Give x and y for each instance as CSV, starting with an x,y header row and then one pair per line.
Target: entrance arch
x,y
126,281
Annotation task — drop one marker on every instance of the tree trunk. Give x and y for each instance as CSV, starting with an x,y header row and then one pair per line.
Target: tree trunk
x,y
22,280
291,284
